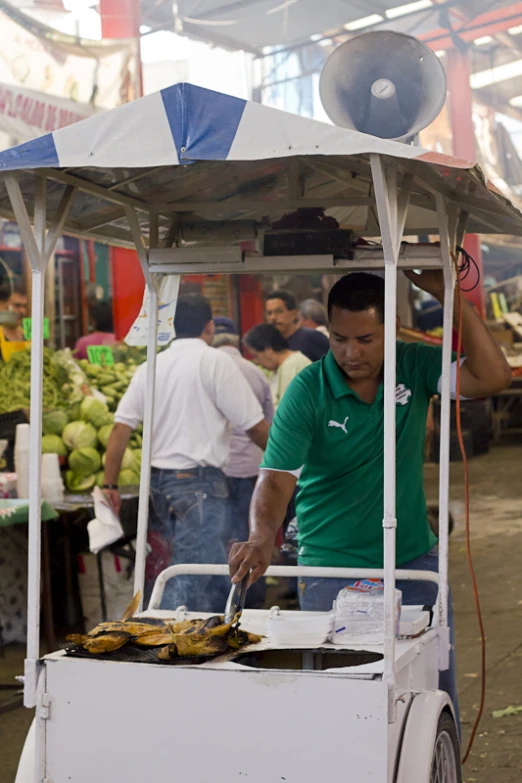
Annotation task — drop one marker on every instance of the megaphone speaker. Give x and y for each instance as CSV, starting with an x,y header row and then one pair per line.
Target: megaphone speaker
x,y
384,83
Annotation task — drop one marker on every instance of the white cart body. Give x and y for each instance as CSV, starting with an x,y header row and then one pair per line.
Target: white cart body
x,y
119,177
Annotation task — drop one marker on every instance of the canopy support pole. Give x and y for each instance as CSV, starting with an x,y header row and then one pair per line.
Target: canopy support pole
x,y
151,281
39,248
391,210
451,230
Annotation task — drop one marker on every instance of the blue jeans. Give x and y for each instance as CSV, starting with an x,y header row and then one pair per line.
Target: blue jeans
x,y
317,595
240,492
189,509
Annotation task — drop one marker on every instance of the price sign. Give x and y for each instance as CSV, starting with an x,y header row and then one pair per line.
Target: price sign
x,y
28,329
100,354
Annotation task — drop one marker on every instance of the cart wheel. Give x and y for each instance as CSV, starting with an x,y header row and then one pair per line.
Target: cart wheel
x,y
445,767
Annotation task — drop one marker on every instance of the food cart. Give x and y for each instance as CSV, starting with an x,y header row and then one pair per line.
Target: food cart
x,y
185,176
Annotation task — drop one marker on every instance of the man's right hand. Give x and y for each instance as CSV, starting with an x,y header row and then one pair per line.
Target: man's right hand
x,y
250,556
114,498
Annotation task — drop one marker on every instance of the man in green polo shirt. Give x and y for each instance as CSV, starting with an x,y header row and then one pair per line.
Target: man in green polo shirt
x,y
328,433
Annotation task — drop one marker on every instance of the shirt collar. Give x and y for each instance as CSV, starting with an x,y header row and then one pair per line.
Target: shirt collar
x,y
337,380
180,343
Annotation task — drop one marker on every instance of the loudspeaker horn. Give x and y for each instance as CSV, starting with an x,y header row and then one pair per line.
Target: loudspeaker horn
x,y
383,83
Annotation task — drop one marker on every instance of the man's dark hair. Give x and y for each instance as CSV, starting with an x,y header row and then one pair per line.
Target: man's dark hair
x,y
193,312
264,336
284,296
101,314
356,292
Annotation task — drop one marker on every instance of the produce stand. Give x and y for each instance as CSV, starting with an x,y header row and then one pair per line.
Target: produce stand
x,y
221,170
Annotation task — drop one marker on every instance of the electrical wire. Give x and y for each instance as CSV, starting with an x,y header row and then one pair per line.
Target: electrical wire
x,y
463,270
469,261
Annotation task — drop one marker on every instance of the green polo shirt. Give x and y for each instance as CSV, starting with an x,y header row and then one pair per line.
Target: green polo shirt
x,y
323,425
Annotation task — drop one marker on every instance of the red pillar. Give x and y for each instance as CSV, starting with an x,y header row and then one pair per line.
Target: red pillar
x,y
122,19
127,289
458,72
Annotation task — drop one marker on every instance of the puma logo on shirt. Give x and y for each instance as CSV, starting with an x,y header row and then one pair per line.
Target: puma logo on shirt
x,y
342,426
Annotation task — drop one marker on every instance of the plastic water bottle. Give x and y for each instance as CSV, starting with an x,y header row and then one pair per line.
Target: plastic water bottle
x,y
359,613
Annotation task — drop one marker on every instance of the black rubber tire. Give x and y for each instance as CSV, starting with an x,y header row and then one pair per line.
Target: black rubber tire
x,y
447,727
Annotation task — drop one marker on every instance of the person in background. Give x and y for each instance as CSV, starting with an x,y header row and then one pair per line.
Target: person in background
x,y
18,304
102,333
10,330
244,458
272,351
199,392
281,311
313,316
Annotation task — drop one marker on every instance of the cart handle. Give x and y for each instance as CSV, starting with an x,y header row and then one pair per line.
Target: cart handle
x,y
196,569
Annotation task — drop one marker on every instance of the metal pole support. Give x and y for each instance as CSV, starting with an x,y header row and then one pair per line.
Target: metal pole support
x,y
39,247
391,210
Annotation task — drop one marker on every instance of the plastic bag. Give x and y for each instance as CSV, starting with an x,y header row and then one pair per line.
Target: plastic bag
x,y
167,299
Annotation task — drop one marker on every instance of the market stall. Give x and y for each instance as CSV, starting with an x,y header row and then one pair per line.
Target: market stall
x,y
239,167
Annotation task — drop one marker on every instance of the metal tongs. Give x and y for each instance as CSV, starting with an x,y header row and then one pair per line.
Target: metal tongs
x,y
236,600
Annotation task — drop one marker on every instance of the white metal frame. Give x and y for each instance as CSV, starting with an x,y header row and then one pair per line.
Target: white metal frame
x,y
197,569
39,245
392,183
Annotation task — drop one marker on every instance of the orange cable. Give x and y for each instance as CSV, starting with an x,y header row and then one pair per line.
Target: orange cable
x,y
468,537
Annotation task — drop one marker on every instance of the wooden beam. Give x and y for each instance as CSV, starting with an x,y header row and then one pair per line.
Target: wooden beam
x,y
258,206
88,187
135,177
100,219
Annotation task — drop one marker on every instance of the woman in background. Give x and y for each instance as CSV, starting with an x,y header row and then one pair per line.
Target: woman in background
x,y
100,317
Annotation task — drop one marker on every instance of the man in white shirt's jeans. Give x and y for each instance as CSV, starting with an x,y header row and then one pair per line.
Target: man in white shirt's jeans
x,y
199,393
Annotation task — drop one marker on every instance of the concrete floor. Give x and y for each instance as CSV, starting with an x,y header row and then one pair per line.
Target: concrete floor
x,y
496,522
496,530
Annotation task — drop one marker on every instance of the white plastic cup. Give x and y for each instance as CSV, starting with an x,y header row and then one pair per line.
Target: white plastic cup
x,y
50,468
21,458
53,491
22,436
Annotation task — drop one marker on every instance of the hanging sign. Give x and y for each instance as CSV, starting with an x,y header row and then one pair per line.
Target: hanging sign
x,y
28,329
100,354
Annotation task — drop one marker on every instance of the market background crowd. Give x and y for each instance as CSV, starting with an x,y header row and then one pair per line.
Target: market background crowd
x,y
219,392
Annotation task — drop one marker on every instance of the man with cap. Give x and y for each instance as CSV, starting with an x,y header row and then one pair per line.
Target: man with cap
x,y
242,467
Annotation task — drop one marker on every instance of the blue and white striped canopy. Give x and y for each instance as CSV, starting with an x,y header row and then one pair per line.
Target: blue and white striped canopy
x,y
239,154
186,123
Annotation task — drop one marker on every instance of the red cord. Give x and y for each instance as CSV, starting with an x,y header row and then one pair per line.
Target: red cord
x,y
468,537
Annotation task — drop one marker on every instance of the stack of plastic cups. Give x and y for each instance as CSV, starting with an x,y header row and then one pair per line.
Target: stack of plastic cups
x,y
21,458
52,484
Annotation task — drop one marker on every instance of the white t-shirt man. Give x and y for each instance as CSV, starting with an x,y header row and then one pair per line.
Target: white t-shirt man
x,y
199,394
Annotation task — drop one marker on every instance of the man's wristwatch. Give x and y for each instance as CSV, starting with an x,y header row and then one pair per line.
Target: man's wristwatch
x,y
109,486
